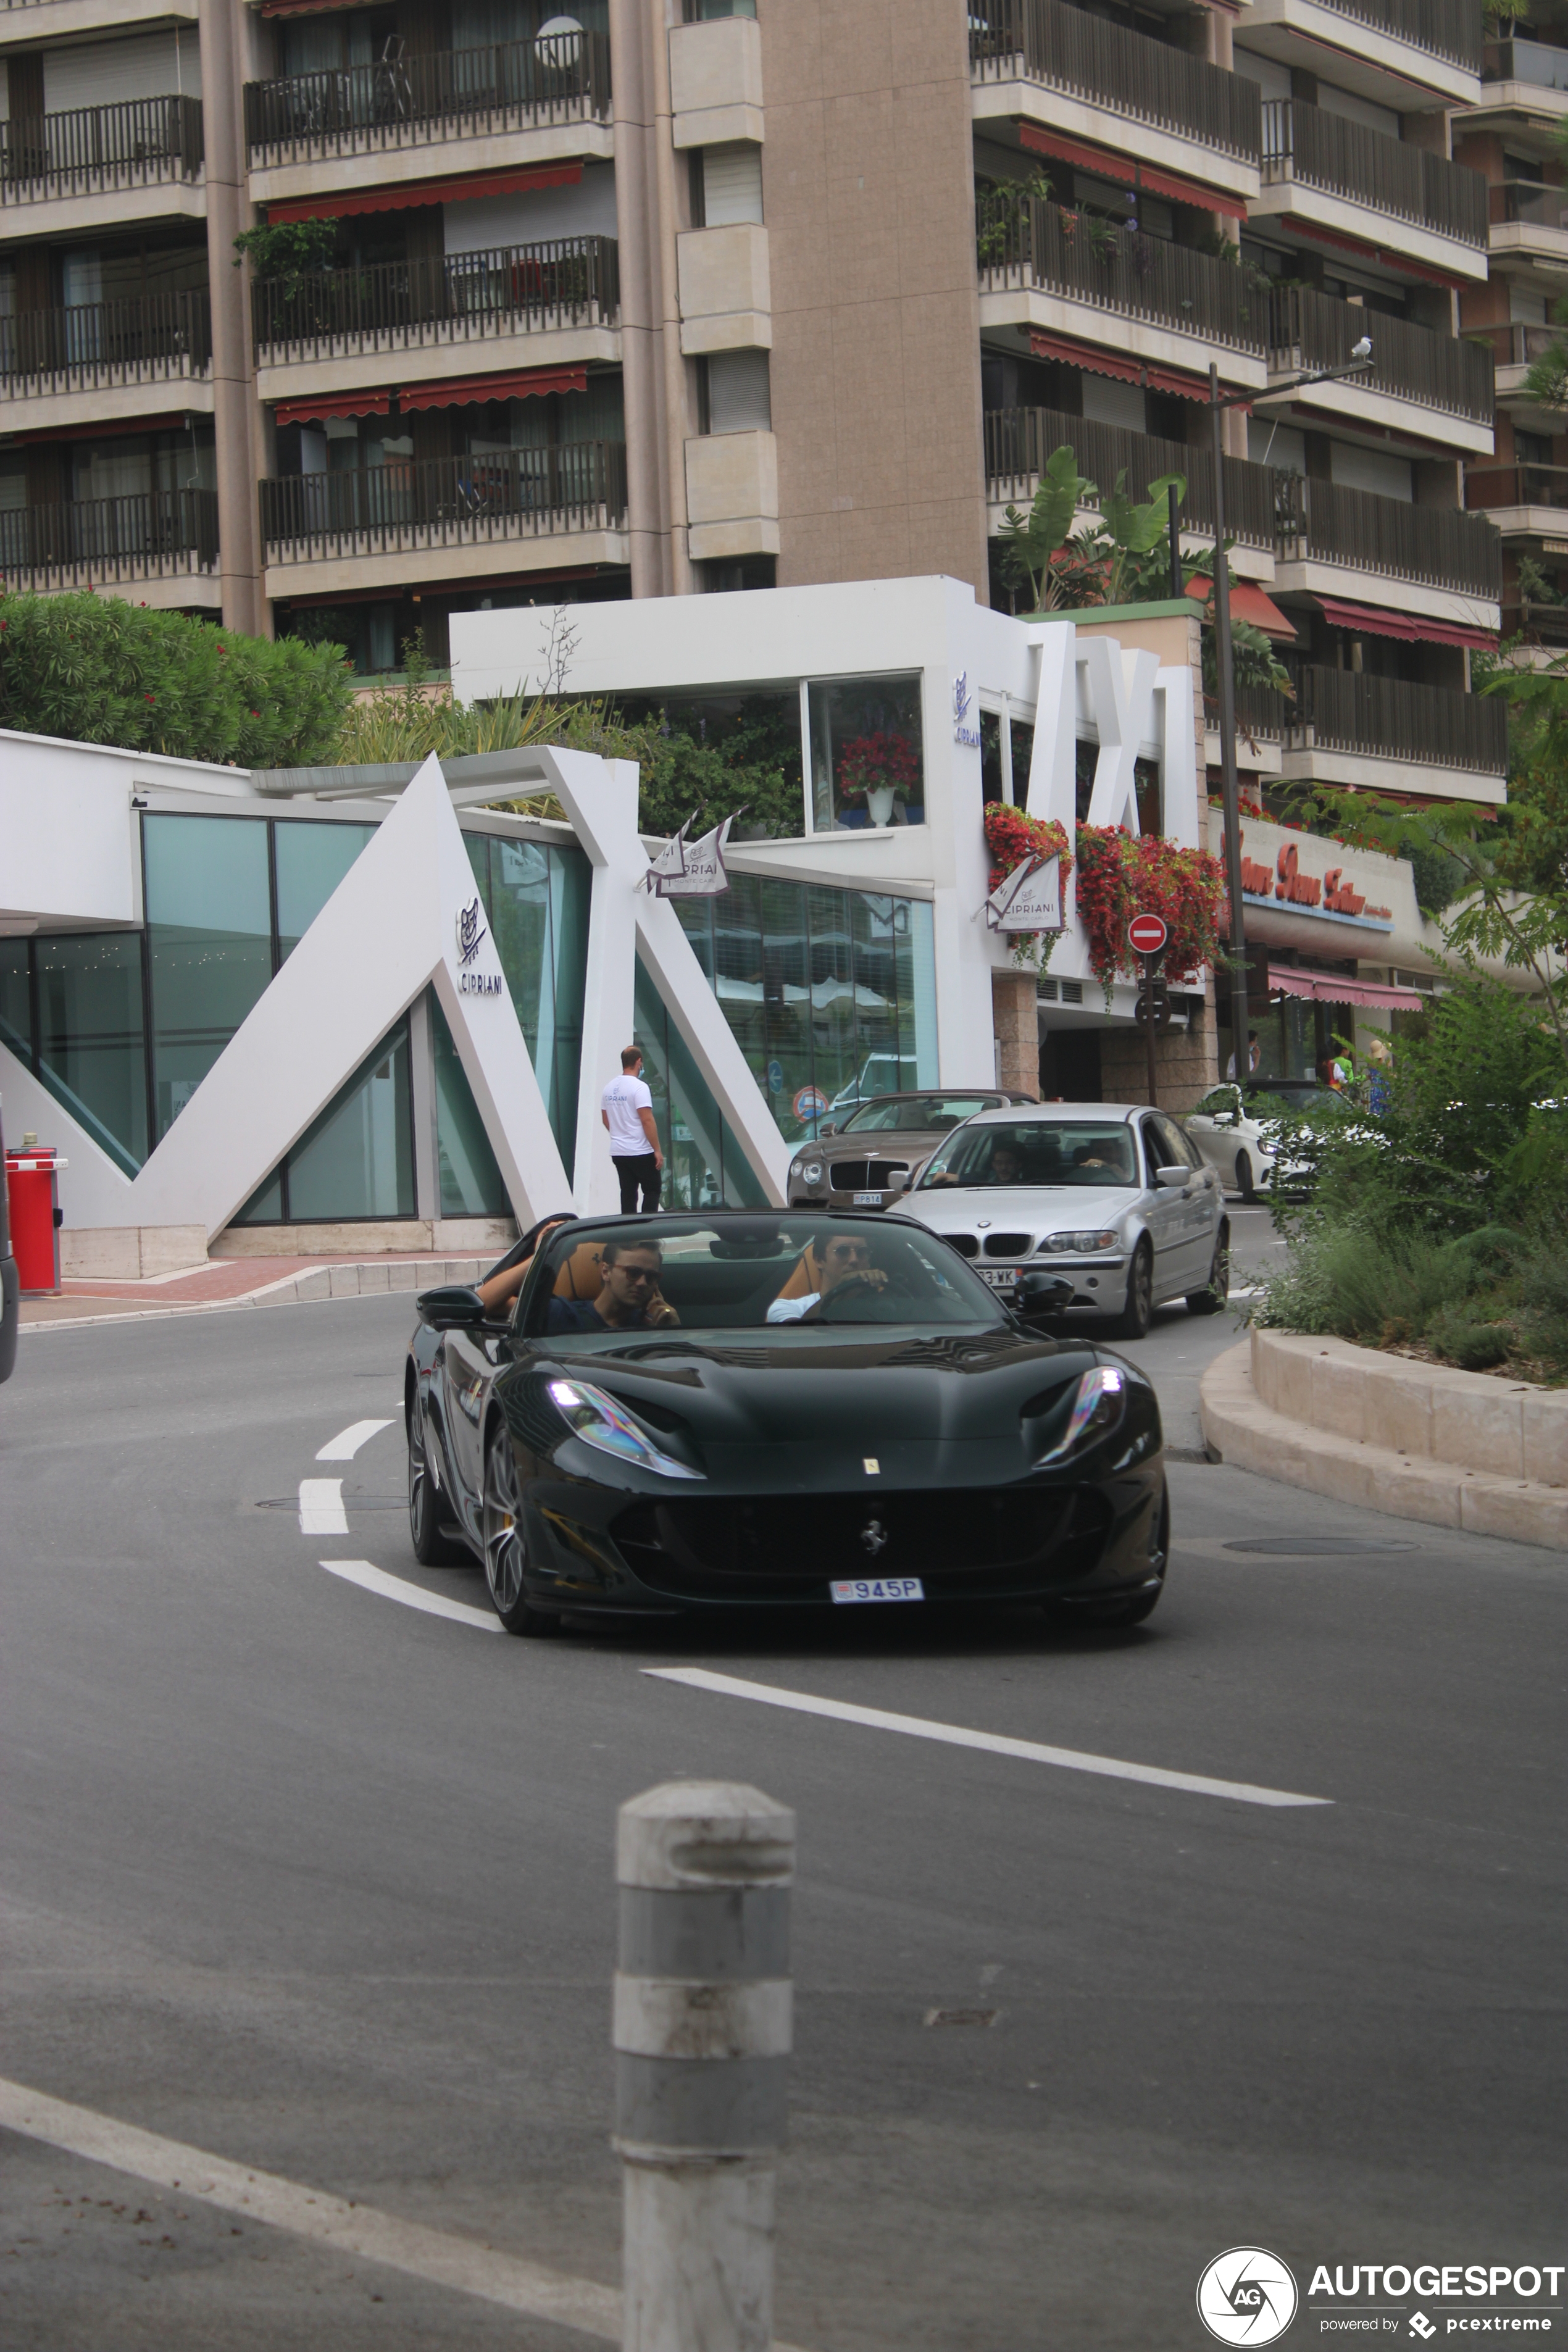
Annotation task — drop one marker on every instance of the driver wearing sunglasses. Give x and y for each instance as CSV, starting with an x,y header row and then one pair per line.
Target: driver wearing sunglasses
x,y
629,1298
847,1257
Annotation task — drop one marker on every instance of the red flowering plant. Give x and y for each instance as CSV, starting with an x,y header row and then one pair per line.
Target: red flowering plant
x,y
868,763
1011,836
1120,875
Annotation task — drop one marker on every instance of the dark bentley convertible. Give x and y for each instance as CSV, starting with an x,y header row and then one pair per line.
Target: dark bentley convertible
x,y
796,1408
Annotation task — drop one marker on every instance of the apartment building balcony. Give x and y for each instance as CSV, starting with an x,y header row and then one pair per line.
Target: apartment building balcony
x,y
508,512
161,543
56,170
1389,734
1523,78
65,20
503,308
1526,503
1529,223
1087,80
1435,386
1383,197
1072,283
63,371
454,113
1019,443
1514,347
1399,53
1440,562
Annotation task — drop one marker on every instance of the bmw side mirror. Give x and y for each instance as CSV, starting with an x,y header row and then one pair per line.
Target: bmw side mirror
x,y
1038,1293
456,1307
1173,1179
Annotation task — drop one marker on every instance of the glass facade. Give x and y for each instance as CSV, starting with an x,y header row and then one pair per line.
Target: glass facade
x,y
469,1181
831,993
209,945
704,1165
868,765
70,1008
536,898
357,1160
309,861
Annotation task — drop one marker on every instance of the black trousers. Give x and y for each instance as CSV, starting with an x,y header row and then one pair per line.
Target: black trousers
x,y
639,1171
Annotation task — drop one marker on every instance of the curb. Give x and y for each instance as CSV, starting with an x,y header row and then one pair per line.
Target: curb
x,y
1250,1435
369,1278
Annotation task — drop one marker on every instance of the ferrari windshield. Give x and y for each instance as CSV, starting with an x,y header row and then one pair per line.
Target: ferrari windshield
x,y
915,1114
1047,1154
750,1272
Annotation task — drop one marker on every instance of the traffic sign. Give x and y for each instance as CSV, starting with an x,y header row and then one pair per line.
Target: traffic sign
x,y
810,1103
1146,934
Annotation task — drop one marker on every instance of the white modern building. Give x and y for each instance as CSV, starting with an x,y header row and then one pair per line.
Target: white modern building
x,y
368,1008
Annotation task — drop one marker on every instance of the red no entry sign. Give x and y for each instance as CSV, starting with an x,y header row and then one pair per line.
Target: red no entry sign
x,y
1146,934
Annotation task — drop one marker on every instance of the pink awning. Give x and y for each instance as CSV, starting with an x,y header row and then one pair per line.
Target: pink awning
x,y
520,384
1408,625
1291,981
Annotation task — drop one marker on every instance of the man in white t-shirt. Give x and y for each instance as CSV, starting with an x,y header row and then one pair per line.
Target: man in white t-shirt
x,y
627,1109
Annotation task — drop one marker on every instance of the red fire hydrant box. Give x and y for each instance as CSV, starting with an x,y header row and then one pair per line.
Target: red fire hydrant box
x,y
32,1188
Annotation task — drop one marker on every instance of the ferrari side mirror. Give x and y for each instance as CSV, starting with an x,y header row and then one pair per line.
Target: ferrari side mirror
x,y
1038,1293
456,1307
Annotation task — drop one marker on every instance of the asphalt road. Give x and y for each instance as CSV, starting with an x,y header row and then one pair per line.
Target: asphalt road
x,y
318,1883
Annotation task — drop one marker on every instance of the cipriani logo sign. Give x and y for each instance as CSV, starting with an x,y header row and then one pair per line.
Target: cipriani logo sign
x,y
963,731
471,934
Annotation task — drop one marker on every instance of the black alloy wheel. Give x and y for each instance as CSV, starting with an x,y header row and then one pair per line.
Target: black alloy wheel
x,y
1245,1183
506,1547
434,1545
1217,1290
1133,1323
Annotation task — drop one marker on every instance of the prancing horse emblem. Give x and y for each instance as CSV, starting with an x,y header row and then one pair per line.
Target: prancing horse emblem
x,y
875,1537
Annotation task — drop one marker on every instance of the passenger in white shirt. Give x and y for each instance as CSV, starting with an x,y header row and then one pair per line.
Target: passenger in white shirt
x,y
627,1108
845,1258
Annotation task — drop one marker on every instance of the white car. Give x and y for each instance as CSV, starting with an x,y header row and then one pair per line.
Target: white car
x,y
1240,1137
1113,1196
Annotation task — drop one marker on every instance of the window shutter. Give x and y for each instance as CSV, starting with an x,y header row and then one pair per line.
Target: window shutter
x,y
732,185
108,73
737,396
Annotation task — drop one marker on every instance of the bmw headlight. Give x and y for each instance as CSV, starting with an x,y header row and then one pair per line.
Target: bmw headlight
x,y
599,1421
1097,1410
1081,1244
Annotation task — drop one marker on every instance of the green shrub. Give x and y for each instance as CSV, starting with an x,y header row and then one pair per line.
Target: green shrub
x,y
94,670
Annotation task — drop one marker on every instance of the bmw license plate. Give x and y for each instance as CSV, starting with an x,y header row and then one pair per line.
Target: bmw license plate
x,y
1000,1278
878,1588
868,1200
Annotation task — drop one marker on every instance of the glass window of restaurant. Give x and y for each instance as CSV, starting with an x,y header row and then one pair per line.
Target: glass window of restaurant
x,y
535,895
868,760
70,1008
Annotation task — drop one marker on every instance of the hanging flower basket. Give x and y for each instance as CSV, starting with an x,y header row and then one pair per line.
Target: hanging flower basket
x,y
1011,836
1120,875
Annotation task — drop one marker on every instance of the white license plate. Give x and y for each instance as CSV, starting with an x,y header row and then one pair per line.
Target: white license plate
x,y
1000,1278
868,1200
878,1588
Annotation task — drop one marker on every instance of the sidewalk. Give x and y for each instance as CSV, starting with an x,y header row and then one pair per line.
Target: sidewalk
x,y
242,1282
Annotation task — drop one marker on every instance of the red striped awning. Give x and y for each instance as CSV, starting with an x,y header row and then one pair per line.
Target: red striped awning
x,y
343,403
522,384
1129,172
1370,252
1291,980
1372,620
415,192
1128,371
1247,603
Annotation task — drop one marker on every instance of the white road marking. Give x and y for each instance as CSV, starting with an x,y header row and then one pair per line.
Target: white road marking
x,y
321,1509
413,1596
347,1442
951,1735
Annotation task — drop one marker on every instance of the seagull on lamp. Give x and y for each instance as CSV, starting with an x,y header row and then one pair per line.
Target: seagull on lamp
x,y
1361,349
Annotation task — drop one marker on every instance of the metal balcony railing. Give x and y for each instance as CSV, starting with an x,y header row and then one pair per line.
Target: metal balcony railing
x,y
1393,719
1067,49
1530,61
1019,442
1023,241
401,305
97,542
141,143
1530,201
1440,547
1304,143
1308,330
512,494
413,101
94,346
1444,29
1516,485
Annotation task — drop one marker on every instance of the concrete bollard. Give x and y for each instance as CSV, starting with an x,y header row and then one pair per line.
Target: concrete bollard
x,y
702,2021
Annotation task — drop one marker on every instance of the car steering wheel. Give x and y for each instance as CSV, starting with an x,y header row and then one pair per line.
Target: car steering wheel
x,y
859,1287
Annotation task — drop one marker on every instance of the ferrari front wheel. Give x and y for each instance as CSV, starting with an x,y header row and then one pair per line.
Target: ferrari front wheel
x,y
433,1546
506,1546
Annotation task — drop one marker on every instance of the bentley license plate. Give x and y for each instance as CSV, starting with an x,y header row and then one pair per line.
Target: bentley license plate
x,y
878,1588
868,1200
1000,1278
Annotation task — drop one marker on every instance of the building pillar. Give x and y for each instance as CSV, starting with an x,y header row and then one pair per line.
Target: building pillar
x,y
237,423
644,197
1016,1028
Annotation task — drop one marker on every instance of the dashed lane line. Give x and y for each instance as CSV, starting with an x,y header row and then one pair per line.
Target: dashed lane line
x,y
347,1442
413,1596
321,1509
953,1735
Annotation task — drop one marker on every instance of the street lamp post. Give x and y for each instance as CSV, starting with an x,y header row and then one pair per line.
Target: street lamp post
x,y
1361,359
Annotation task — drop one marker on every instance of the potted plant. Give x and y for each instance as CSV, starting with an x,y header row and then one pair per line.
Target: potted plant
x,y
879,769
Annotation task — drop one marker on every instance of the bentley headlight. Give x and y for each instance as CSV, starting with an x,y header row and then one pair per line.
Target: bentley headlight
x,y
1081,1244
811,1173
596,1417
1097,1410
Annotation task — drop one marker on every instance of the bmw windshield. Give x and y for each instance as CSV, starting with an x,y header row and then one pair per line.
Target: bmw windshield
x,y
1058,1154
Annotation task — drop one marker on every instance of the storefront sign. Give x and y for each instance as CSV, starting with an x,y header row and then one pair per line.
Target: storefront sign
x,y
963,731
471,935
1029,899
1285,881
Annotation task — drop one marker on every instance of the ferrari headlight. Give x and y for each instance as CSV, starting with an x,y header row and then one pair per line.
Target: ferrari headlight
x,y
1097,1410
1081,1244
596,1418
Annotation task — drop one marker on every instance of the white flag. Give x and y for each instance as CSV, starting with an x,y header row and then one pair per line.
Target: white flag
x,y
702,875
670,863
1029,898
